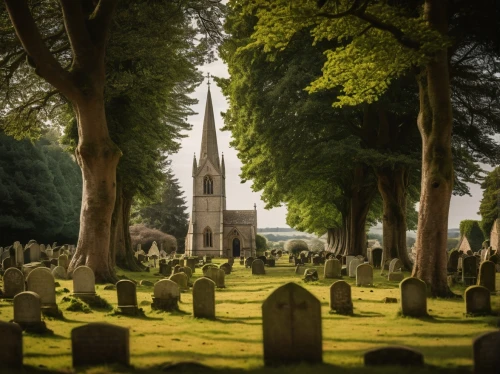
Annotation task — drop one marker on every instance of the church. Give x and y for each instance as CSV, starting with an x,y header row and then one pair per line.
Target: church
x,y
213,230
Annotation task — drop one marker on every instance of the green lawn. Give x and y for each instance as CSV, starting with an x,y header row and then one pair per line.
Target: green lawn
x,y
234,340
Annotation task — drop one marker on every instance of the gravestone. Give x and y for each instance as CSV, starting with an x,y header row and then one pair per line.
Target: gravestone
x,y
63,261
27,309
127,297
477,301
165,269
6,263
204,298
453,257
291,322
364,275
34,252
13,282
397,276
100,344
348,260
191,263
486,357
469,270
271,262
340,298
248,262
177,268
487,275
19,254
413,297
166,295
333,268
353,264
84,283
59,273
310,275
262,258
181,279
11,347
395,265
376,257
211,272
42,282
49,251
187,270
220,280
226,268
258,267
393,356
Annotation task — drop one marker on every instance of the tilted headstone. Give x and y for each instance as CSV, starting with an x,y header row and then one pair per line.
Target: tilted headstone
x,y
477,301
469,270
333,268
127,296
27,309
166,295
413,297
41,281
13,282
83,282
11,347
353,264
486,357
393,356
204,298
181,279
348,260
340,297
100,344
258,267
291,322
376,257
395,265
487,275
63,261
59,273
364,275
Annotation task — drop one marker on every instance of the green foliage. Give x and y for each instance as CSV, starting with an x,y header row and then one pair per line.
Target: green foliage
x,y
145,236
260,243
452,243
295,246
489,209
471,230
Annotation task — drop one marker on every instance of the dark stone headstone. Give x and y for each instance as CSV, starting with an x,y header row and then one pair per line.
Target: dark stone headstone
x,y
477,301
263,259
340,298
453,261
487,275
393,356
486,357
413,297
11,347
376,257
127,296
469,270
13,282
258,267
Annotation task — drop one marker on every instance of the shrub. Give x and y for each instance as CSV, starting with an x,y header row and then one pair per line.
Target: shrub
x,y
296,246
145,236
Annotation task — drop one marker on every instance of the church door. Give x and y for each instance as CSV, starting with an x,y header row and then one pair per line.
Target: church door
x,y
236,247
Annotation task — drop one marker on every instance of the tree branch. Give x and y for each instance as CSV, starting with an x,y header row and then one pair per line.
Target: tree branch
x,y
100,21
78,35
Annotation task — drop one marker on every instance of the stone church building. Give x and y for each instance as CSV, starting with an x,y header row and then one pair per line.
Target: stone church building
x,y
214,230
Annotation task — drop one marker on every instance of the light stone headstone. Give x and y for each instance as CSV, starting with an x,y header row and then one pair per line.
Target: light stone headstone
x,y
204,298
348,260
487,275
166,295
395,265
13,282
181,279
340,297
34,249
49,251
364,275
100,344
83,281
258,267
353,264
11,347
291,322
486,357
19,254
333,269
220,280
59,272
63,261
27,308
413,297
127,296
41,281
477,301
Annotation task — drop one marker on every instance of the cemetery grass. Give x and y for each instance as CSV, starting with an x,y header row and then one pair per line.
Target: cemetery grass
x,y
233,341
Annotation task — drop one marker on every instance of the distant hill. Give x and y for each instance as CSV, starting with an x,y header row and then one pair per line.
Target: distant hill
x,y
276,229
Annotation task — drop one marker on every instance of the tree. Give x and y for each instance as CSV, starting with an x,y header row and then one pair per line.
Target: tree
x,y
295,246
489,209
260,243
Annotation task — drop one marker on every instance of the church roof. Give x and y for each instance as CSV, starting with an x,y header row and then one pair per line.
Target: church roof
x,y
240,217
209,148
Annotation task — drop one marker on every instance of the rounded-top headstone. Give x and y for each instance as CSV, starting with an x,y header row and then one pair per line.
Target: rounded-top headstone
x,y
83,280
333,268
364,275
486,357
13,282
204,298
127,295
181,279
340,297
41,281
27,308
59,272
413,297
258,267
11,347
166,289
393,356
477,300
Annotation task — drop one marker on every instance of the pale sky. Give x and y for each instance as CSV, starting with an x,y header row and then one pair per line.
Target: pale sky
x,y
241,196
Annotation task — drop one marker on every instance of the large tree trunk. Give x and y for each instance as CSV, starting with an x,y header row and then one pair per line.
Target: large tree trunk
x,y
435,124
392,185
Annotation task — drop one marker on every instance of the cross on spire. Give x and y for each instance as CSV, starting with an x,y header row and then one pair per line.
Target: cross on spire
x,y
208,82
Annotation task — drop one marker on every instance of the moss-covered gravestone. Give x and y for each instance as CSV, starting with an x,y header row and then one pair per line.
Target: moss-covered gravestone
x,y
11,347
166,295
204,298
291,321
486,358
393,356
487,274
340,298
477,301
42,282
413,297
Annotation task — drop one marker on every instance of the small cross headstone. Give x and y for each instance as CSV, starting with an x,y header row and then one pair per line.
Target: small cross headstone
x,y
166,295
477,301
27,309
59,273
127,297
333,268
413,297
340,298
181,279
364,275
487,275
393,356
11,347
258,267
83,282
41,281
13,282
204,298
486,357
291,322
353,264
100,344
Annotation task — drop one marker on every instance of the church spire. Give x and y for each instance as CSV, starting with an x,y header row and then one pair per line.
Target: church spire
x,y
209,148
195,165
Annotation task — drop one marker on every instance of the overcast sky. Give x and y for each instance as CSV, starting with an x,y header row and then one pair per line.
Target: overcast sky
x,y
241,196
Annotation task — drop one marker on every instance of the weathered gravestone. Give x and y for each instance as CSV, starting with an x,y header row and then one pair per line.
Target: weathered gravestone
x,y
211,272
165,269
395,265
34,252
452,265
42,282
469,270
13,282
191,263
177,268
291,322
348,260
364,275
353,264
220,280
226,268
204,298
166,295
27,310
258,267
340,298
393,356
376,257
59,273
310,275
248,262
477,301
63,261
11,347
486,357
413,297
397,276
487,275
181,279
127,297
187,270
100,344
19,255
84,283
6,263
333,268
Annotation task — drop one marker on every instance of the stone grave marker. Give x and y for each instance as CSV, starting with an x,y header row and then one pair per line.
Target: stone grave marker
x,y
487,275
348,260
187,270
177,268
165,269
248,262
271,262
469,270
310,275
181,279
413,297
258,267
211,272
204,298
59,273
13,282
42,282
453,257
63,261
262,258
166,295
291,321
364,275
477,301
393,356
27,309
397,276
340,298
34,252
220,280
376,257
6,263
353,264
395,265
191,263
100,344
11,347
226,268
127,297
19,257
486,357
333,268
84,283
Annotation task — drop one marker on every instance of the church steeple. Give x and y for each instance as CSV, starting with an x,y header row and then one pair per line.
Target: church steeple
x,y
209,148
195,165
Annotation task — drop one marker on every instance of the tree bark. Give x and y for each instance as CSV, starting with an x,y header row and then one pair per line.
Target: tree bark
x,y
392,185
435,125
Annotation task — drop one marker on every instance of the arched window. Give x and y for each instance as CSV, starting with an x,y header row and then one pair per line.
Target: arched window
x,y
207,238
208,185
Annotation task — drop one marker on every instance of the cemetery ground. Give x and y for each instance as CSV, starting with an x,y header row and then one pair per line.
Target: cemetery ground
x,y
233,341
